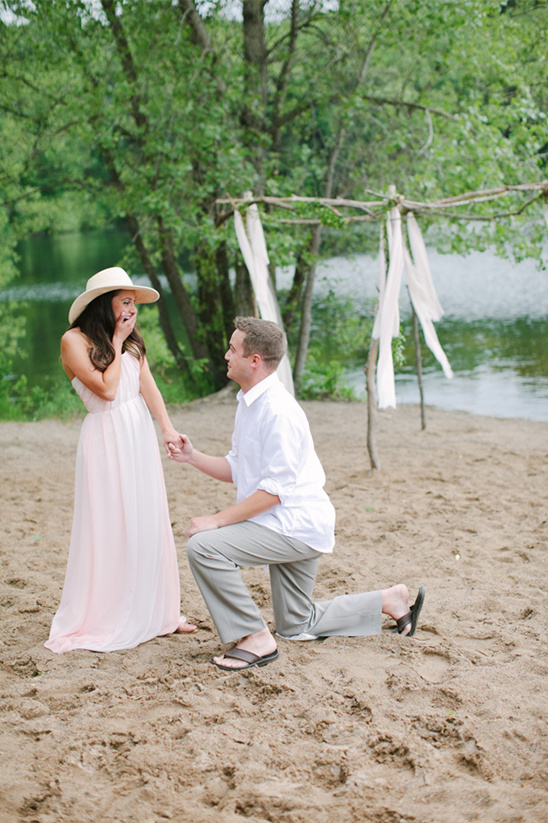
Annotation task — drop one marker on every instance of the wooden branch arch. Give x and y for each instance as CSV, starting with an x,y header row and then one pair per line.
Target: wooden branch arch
x,y
375,209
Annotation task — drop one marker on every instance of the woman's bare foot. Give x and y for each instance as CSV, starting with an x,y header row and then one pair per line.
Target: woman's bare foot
x,y
184,627
260,643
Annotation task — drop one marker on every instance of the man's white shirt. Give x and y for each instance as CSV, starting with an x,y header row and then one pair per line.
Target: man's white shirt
x,y
272,449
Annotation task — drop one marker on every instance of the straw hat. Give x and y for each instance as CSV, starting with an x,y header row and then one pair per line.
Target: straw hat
x,y
111,279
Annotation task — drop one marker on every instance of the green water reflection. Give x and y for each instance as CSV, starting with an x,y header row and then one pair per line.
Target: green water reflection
x,y
69,258
518,344
52,272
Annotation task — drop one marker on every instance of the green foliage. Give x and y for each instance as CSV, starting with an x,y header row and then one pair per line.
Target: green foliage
x,y
116,112
338,327
168,377
18,399
322,381
158,354
399,353
317,211
10,332
55,399
174,132
340,338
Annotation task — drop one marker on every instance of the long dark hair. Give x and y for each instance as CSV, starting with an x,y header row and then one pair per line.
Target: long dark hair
x,y
97,322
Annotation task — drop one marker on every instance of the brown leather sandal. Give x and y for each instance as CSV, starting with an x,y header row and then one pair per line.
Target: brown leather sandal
x,y
412,616
248,657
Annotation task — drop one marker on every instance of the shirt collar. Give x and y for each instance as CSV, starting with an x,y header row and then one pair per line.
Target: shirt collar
x,y
258,389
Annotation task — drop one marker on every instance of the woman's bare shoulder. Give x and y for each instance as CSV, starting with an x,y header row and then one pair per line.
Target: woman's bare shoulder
x,y
75,352
75,337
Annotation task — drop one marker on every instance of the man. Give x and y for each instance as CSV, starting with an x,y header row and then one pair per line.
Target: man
x,y
282,518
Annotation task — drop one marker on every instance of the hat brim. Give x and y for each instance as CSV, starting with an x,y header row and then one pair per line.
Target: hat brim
x,y
143,294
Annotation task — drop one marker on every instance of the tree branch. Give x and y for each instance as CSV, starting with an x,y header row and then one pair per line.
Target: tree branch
x,y
283,77
376,209
199,32
200,36
126,57
387,101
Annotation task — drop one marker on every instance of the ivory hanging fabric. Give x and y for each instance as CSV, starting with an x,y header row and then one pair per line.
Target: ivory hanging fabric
x,y
253,247
382,283
387,321
423,296
422,292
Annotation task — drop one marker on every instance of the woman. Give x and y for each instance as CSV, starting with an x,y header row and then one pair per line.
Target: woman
x,y
122,581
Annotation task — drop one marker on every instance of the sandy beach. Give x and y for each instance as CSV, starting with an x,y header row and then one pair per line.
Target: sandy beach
x,y
448,726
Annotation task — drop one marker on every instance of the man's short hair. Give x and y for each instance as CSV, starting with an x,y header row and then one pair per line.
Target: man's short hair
x,y
262,337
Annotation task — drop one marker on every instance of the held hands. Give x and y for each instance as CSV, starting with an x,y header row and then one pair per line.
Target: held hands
x,y
179,449
182,451
171,440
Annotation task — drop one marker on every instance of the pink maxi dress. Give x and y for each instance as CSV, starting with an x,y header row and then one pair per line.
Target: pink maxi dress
x,y
122,580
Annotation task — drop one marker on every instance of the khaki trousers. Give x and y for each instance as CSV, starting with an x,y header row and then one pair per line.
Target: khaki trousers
x,y
215,558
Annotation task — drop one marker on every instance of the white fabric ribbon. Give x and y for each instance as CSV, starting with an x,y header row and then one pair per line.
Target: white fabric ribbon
x,y
253,247
387,321
422,292
423,297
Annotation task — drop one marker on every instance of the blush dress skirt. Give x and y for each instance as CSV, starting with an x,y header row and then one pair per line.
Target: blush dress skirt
x,y
122,581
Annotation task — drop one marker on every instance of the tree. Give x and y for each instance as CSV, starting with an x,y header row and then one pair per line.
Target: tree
x,y
150,111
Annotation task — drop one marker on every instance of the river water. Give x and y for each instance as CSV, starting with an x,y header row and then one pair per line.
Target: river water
x,y
494,332
495,328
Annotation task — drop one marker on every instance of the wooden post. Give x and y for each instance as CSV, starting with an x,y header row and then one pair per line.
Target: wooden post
x,y
369,370
418,364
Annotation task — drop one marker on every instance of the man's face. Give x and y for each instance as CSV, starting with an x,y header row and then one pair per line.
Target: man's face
x,y
239,366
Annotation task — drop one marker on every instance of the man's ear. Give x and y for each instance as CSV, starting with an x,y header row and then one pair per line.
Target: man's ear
x,y
256,360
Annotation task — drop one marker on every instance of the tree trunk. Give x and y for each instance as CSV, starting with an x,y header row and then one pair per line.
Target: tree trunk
x,y
253,113
165,322
180,294
169,263
137,239
306,316
369,370
227,298
329,187
211,311
244,299
295,292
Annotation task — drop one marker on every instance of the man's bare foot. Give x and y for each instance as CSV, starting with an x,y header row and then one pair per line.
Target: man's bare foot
x,y
184,627
395,602
260,644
